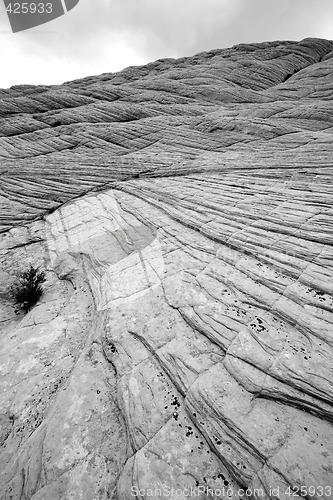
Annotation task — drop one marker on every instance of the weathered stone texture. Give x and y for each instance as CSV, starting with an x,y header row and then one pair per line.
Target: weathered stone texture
x,y
183,213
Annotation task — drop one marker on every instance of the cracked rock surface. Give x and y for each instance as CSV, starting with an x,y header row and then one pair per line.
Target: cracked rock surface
x,y
182,212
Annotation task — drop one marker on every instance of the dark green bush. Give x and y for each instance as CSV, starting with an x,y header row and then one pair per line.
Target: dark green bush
x,y
28,290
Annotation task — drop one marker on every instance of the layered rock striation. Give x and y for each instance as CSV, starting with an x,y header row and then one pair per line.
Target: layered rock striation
x,y
182,211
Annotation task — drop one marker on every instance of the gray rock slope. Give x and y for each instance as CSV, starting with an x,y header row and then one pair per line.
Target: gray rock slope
x,y
183,213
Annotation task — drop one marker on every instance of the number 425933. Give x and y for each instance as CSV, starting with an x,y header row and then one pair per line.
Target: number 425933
x,y
29,8
306,491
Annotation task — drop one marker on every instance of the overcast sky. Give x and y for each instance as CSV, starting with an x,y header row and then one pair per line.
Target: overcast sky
x,y
100,36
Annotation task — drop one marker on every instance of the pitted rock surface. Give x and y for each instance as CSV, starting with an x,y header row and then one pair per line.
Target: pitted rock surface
x,y
182,211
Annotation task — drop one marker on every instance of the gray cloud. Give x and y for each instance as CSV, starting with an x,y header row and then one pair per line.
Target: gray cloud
x,y
188,26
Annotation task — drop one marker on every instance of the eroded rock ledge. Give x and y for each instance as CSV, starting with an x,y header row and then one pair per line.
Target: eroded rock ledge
x,y
183,213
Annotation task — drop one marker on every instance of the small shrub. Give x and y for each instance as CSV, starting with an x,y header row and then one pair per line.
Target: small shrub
x,y
28,290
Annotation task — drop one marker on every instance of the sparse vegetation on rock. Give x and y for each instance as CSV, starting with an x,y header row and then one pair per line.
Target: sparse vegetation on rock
x,y
28,290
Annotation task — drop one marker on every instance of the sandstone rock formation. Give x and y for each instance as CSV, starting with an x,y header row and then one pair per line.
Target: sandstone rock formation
x,y
183,214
